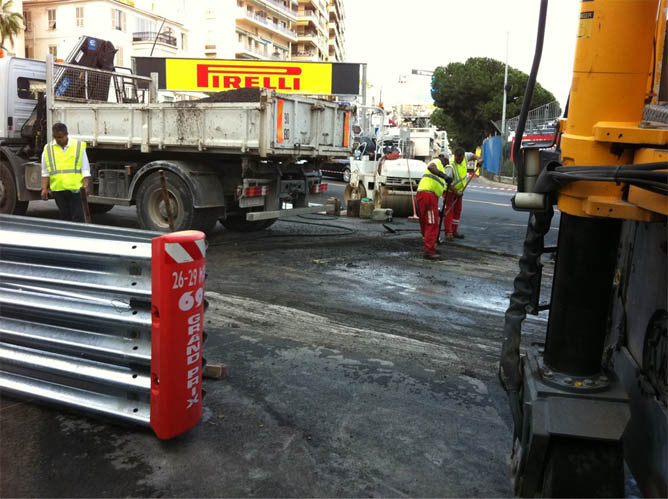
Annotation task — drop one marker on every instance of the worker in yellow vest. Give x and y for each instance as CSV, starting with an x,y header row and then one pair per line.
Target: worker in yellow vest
x,y
455,193
434,181
65,171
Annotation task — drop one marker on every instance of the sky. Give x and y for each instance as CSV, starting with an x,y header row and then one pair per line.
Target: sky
x,y
395,36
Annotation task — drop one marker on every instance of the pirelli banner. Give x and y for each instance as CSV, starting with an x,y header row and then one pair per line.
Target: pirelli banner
x,y
217,75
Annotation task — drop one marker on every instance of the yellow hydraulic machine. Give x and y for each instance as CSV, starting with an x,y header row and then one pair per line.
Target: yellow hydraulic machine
x,y
594,396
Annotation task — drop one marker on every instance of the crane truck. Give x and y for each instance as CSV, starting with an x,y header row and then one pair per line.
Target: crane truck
x,y
242,160
594,395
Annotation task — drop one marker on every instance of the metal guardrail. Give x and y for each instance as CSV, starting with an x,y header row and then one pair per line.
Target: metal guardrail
x,y
78,316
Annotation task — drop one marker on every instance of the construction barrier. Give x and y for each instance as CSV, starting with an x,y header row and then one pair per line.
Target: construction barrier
x,y
90,319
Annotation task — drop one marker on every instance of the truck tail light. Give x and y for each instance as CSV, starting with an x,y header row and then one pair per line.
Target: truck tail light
x,y
346,130
255,191
317,188
279,120
10,123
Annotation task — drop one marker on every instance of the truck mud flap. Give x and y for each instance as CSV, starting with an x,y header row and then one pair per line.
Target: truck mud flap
x,y
103,320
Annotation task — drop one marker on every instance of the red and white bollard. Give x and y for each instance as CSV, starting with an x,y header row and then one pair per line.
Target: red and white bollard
x,y
177,305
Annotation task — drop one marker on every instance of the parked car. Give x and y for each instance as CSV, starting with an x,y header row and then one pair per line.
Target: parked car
x,y
337,168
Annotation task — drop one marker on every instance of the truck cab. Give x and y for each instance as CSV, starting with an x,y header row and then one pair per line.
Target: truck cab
x,y
20,81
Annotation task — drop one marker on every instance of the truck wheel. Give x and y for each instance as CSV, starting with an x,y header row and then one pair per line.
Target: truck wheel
x,y
97,208
583,468
9,203
152,212
238,223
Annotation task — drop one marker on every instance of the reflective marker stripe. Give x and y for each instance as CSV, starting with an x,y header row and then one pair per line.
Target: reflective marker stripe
x,y
438,179
178,253
58,172
201,244
76,159
52,161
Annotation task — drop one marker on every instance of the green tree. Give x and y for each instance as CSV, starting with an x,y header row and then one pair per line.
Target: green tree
x,y
469,96
11,23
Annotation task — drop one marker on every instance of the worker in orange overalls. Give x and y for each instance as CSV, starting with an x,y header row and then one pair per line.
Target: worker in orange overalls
x,y
434,182
455,193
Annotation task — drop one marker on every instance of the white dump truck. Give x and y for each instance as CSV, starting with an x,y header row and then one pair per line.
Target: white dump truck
x,y
239,158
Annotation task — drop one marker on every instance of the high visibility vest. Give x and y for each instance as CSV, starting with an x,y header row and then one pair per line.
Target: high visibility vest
x,y
431,182
459,174
64,166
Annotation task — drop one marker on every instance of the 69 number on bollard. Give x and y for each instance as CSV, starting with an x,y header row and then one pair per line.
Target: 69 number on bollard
x,y
177,304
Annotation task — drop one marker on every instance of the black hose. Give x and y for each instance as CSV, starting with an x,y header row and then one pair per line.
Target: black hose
x,y
510,372
531,84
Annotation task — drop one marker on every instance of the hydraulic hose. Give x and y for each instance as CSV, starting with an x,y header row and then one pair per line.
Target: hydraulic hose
x,y
510,372
531,84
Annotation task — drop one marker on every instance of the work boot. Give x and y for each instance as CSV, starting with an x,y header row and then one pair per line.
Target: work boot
x,y
459,236
448,237
433,256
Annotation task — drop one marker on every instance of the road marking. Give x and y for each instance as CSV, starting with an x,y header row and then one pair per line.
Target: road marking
x,y
487,202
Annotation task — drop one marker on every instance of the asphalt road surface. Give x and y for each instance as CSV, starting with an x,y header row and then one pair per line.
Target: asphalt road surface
x,y
356,369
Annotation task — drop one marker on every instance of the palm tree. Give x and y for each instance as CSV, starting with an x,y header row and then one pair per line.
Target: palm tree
x,y
11,23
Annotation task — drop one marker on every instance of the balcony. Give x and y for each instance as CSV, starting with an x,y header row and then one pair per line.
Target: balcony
x,y
266,23
149,36
286,11
248,51
310,16
313,38
309,55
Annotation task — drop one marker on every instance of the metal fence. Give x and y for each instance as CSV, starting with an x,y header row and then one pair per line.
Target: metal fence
x,y
85,84
538,119
77,324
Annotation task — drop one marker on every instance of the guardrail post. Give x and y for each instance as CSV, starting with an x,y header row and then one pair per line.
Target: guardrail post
x,y
177,306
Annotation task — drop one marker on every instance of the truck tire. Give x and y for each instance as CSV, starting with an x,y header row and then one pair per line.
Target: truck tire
x,y
152,213
9,203
583,468
238,223
97,208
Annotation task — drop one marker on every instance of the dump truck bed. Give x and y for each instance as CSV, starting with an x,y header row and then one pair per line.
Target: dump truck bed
x,y
274,125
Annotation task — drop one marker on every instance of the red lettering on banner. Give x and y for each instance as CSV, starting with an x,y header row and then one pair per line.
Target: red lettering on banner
x,y
266,83
208,76
231,82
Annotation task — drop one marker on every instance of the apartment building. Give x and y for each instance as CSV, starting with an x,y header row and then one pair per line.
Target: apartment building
x,y
134,27
337,31
247,29
312,31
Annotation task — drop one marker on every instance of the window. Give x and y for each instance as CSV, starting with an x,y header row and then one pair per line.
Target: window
x,y
80,17
53,50
118,19
28,89
27,18
143,25
30,52
118,61
51,15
